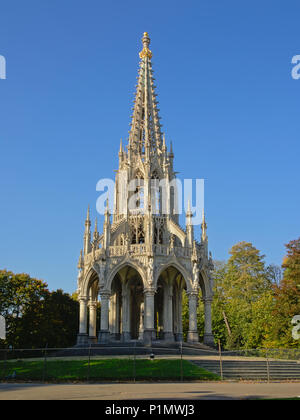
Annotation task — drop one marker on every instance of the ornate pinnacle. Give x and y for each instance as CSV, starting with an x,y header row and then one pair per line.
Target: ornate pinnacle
x,y
203,227
145,51
88,214
88,220
171,154
107,206
194,253
96,228
107,213
164,148
80,261
189,211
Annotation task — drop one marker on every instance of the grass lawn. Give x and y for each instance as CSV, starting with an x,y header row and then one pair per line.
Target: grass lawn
x,y
104,369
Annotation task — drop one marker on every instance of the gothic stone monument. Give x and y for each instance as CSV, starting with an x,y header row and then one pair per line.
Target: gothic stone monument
x,y
143,260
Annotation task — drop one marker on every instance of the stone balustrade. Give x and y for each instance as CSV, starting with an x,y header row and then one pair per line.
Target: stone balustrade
x,y
138,249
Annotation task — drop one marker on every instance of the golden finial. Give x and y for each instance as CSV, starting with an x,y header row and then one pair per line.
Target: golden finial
x,y
145,51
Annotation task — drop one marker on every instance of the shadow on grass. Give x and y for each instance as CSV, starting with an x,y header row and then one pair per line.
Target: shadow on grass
x,y
105,369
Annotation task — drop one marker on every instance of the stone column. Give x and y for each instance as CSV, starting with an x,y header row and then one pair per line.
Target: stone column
x,y
117,317
168,313
104,330
149,332
125,314
82,337
179,335
208,335
93,316
193,332
112,316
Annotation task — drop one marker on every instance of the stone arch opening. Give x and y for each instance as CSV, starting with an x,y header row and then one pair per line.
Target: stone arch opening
x,y
88,303
137,193
115,308
127,305
158,309
90,282
168,304
136,307
137,231
202,285
93,288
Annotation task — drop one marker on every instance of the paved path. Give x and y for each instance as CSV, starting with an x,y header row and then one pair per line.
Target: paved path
x,y
155,391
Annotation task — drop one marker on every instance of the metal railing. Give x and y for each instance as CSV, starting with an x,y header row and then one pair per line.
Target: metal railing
x,y
179,362
113,363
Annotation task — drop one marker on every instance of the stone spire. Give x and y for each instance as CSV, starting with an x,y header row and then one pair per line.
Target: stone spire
x,y
96,233
145,136
107,213
87,233
203,228
106,227
189,225
80,264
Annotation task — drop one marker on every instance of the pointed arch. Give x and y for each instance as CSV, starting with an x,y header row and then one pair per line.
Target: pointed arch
x,y
137,189
205,284
123,264
175,264
89,279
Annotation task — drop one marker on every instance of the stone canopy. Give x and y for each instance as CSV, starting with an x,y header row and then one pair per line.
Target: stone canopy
x,y
144,260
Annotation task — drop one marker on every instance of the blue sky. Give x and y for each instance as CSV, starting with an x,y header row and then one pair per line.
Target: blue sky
x,y
227,100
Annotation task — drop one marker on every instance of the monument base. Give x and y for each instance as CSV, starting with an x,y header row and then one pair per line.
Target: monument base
x,y
208,339
149,336
193,337
178,337
103,337
169,337
125,337
92,340
82,340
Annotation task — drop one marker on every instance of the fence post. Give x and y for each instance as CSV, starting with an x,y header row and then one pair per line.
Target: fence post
x,y
45,363
5,363
221,365
89,363
268,366
134,366
181,367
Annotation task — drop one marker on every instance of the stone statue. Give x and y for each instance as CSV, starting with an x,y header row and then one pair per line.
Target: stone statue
x,y
195,273
150,271
171,241
101,274
79,276
141,324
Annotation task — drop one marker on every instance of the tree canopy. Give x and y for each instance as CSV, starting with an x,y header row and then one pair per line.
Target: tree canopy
x,y
34,315
253,303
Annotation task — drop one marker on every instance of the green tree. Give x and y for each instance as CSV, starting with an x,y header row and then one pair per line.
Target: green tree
x,y
52,321
241,287
17,293
287,299
34,316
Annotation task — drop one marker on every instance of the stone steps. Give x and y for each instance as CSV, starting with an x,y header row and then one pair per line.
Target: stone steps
x,y
115,348
278,370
